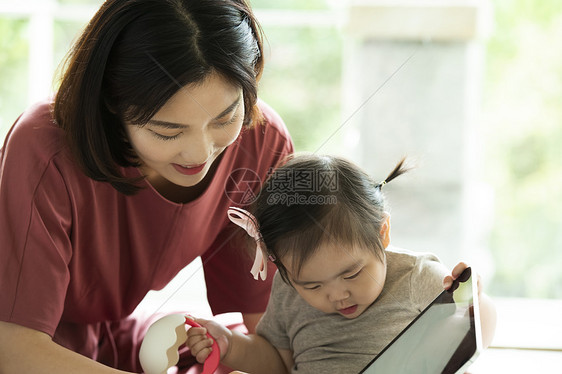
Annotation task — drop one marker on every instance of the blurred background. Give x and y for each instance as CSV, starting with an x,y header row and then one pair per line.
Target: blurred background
x,y
469,90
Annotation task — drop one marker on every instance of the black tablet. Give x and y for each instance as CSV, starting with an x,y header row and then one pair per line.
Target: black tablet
x,y
445,338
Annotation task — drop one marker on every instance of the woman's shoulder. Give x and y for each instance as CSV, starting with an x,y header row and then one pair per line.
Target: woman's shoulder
x,y
263,146
270,132
34,148
35,135
273,119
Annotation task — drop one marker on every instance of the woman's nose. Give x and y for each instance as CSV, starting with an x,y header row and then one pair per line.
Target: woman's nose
x,y
197,148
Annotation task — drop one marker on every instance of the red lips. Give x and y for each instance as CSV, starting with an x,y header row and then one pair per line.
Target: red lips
x,y
189,170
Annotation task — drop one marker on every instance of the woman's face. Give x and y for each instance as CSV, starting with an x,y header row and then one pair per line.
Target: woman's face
x,y
183,139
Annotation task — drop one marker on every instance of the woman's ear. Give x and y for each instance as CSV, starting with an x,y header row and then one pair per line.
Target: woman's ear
x,y
385,231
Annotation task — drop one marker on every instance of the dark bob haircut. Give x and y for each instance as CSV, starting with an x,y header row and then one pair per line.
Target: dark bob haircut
x,y
133,56
313,200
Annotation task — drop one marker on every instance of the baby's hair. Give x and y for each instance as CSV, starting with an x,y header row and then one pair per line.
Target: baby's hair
x,y
399,169
312,200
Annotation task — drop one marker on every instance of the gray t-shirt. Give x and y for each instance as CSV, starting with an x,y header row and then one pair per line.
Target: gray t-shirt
x,y
331,343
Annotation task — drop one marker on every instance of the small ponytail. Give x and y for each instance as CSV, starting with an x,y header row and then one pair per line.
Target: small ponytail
x,y
398,170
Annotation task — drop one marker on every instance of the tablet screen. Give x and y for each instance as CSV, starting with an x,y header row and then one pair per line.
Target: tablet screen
x,y
444,338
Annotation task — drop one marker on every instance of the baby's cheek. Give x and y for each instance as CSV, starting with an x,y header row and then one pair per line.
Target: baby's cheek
x,y
325,306
314,301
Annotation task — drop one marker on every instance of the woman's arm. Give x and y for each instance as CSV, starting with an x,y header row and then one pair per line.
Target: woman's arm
x,y
24,350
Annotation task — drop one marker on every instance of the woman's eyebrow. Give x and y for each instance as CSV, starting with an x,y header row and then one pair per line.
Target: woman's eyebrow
x,y
174,125
230,108
166,124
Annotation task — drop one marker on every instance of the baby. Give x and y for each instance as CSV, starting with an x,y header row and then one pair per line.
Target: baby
x,y
341,293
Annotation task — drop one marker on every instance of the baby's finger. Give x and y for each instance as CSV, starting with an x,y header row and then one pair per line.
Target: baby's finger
x,y
201,321
196,331
194,339
458,269
447,282
202,350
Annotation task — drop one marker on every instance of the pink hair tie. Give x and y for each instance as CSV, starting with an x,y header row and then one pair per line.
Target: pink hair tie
x,y
248,222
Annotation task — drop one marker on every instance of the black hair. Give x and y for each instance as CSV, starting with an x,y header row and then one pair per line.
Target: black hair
x,y
311,200
133,56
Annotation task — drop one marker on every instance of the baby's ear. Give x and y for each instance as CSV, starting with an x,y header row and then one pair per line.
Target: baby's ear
x,y
385,230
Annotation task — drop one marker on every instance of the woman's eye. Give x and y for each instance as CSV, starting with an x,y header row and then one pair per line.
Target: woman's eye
x,y
165,137
230,121
354,275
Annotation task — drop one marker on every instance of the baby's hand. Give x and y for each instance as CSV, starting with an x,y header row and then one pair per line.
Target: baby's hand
x,y
456,272
200,345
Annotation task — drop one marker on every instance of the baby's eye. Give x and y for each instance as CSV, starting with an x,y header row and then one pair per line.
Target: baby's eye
x,y
354,275
310,288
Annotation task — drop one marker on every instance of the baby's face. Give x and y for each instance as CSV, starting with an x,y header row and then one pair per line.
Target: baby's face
x,y
343,280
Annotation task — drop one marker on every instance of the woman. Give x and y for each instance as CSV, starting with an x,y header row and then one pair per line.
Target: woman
x,y
125,178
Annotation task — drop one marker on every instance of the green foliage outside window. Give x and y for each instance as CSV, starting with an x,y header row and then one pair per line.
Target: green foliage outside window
x,y
13,70
523,109
302,81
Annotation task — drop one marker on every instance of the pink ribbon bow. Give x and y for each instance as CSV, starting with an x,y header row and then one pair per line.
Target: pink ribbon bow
x,y
248,222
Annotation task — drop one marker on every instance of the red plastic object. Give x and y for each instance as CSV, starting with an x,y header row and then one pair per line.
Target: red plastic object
x,y
212,362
